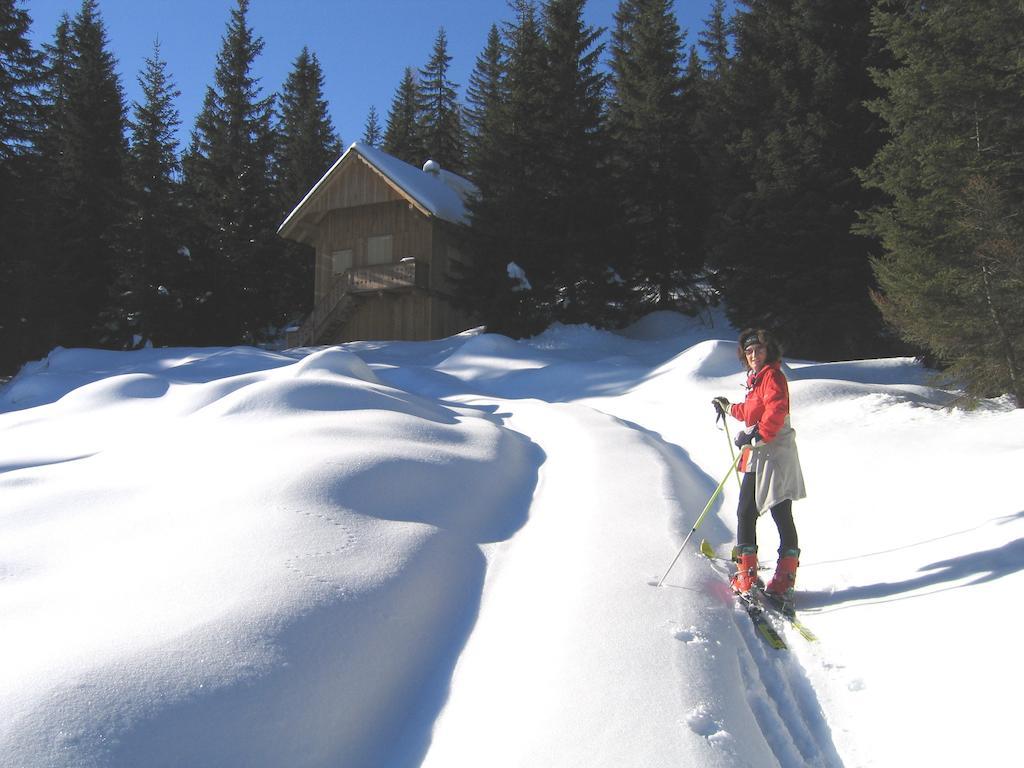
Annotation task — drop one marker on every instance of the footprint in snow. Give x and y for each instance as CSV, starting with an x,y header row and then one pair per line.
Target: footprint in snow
x,y
701,722
689,636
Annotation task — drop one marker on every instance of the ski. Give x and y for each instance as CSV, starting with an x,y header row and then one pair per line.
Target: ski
x,y
752,605
788,613
770,604
762,624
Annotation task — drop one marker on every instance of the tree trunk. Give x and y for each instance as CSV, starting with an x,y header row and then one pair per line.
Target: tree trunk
x,y
1012,366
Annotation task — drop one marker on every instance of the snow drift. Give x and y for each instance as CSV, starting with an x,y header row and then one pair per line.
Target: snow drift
x,y
441,554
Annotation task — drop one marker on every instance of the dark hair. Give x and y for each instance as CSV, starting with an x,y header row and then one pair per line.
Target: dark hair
x,y
758,336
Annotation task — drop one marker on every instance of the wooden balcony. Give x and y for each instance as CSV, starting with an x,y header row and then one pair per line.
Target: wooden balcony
x,y
342,298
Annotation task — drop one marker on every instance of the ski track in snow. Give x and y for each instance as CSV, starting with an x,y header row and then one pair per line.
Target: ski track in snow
x,y
784,702
779,692
584,490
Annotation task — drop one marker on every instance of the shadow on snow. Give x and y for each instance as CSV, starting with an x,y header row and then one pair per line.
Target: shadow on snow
x,y
968,570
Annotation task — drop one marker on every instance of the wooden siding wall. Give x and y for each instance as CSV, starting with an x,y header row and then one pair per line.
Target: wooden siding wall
x,y
391,316
355,184
349,228
410,316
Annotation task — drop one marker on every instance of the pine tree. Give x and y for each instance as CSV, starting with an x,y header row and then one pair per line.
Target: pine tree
x,y
539,158
229,183
796,128
573,143
443,133
714,41
21,70
43,290
712,130
154,275
57,64
403,137
83,153
309,145
479,286
952,271
372,135
20,78
94,168
655,167
508,166
485,97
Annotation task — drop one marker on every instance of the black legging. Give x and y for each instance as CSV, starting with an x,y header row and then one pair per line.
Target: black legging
x,y
746,518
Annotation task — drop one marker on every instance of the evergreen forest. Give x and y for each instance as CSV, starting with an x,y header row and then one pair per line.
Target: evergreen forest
x,y
847,174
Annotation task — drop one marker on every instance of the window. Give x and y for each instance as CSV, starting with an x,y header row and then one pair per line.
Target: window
x,y
341,261
379,249
456,263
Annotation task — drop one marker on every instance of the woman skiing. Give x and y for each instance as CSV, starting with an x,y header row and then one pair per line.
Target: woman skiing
x,y
772,478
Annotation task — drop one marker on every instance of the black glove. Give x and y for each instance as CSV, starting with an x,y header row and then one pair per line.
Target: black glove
x,y
721,404
746,438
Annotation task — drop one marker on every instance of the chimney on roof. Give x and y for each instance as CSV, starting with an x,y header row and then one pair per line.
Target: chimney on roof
x,y
432,167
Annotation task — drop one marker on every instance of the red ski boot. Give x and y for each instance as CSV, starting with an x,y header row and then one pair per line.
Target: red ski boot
x,y
745,578
783,583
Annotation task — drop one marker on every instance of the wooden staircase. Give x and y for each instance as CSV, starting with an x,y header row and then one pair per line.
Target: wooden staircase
x,y
342,299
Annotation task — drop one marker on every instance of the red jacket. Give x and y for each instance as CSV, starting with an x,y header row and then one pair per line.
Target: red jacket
x,y
767,402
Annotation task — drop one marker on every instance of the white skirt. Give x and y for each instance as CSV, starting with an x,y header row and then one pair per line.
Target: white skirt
x,y
777,470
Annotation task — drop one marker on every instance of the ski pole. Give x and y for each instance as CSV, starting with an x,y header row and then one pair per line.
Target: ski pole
x,y
728,439
700,520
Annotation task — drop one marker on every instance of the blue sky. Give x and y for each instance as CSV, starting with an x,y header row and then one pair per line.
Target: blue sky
x,y
363,45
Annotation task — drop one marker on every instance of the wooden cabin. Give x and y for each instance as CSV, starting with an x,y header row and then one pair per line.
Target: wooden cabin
x,y
383,231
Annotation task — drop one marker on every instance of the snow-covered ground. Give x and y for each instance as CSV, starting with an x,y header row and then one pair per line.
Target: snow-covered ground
x,y
443,554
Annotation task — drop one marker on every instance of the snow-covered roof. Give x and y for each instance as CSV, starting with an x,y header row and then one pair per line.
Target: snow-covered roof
x,y
442,194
